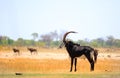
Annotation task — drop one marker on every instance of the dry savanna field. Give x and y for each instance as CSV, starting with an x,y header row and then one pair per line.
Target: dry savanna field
x,y
55,63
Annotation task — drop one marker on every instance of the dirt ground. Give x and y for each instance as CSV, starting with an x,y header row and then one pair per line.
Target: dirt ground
x,y
50,61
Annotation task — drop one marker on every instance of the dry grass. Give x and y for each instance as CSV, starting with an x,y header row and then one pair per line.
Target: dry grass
x,y
48,65
52,65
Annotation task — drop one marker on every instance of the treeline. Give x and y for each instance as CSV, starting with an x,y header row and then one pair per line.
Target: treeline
x,y
110,41
53,39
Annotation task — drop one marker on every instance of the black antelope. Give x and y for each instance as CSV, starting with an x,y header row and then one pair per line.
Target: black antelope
x,y
15,50
32,50
76,50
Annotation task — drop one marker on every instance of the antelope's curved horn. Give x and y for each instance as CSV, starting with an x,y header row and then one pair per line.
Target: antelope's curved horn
x,y
65,35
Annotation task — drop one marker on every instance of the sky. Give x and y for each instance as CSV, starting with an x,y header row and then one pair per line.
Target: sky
x,y
90,18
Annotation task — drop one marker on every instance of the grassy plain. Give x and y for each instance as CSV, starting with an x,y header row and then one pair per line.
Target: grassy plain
x,y
33,66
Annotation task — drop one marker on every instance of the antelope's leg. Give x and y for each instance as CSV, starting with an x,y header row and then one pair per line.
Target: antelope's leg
x,y
72,59
91,61
75,64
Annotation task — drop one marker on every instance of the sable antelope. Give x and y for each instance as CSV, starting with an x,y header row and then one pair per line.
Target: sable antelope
x,y
32,50
16,51
75,50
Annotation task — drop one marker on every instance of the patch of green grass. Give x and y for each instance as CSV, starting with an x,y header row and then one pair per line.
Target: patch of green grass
x,y
64,75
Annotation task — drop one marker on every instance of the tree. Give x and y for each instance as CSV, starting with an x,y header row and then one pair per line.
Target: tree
x,y
47,38
20,42
54,35
10,41
94,43
82,42
4,40
110,41
35,36
117,42
100,42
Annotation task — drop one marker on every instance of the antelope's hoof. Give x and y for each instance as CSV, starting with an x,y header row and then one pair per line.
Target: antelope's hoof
x,y
75,70
70,70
